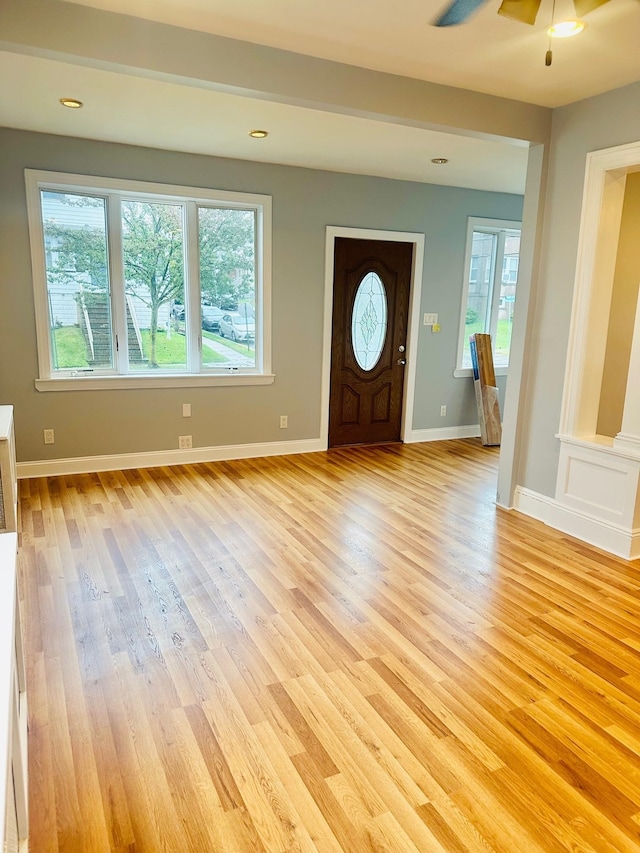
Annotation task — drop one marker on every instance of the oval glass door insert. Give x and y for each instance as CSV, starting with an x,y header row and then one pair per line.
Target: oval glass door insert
x,y
369,321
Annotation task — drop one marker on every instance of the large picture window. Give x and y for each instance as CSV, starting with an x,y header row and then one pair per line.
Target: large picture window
x,y
144,284
491,278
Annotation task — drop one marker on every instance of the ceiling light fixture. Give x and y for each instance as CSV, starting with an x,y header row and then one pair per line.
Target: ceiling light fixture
x,y
258,134
565,29
439,161
72,103
562,29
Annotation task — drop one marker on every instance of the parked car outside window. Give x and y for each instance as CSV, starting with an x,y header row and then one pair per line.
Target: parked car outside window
x,y
211,317
237,328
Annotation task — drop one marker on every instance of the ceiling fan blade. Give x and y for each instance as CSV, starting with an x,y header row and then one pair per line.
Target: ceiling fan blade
x,y
583,7
458,12
523,10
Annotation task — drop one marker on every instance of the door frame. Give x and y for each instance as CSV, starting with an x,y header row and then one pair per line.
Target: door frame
x,y
413,324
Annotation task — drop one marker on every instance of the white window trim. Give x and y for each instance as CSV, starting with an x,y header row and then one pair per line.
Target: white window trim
x,y
260,375
468,371
131,382
475,223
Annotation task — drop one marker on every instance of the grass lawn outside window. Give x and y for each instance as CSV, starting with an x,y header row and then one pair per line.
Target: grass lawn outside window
x,y
170,351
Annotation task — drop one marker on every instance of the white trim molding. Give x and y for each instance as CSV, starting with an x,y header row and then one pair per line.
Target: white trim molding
x,y
442,434
467,372
598,494
160,458
413,325
131,383
610,536
532,504
604,189
614,538
598,483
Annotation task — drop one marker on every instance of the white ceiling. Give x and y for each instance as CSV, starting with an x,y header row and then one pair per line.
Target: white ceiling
x,y
488,53
142,111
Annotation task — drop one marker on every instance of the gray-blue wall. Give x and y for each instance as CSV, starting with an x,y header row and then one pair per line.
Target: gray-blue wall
x,y
304,203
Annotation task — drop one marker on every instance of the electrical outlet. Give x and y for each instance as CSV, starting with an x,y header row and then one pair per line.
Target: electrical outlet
x,y
184,442
49,437
443,411
284,421
186,410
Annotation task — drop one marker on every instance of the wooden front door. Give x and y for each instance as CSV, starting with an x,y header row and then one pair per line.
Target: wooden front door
x,y
371,286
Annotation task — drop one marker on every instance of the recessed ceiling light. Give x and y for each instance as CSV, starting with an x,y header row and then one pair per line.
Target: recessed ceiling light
x,y
439,161
565,29
72,103
258,134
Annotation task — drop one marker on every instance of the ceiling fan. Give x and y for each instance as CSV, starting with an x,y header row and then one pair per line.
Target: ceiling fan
x,y
520,10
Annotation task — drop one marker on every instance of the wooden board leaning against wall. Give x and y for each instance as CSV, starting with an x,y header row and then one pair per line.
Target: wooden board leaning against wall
x,y
484,381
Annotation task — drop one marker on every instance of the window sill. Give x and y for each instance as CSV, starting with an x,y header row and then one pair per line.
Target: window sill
x,y
468,371
126,383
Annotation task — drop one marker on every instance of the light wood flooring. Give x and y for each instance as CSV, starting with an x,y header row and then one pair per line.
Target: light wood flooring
x,y
344,651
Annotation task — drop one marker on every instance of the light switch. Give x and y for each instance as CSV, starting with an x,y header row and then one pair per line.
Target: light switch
x,y
430,319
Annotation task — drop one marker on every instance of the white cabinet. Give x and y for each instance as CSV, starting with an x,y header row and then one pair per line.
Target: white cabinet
x,y
8,481
14,817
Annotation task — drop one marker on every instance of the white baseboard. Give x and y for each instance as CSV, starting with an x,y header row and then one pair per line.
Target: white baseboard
x,y
605,535
442,433
156,458
532,503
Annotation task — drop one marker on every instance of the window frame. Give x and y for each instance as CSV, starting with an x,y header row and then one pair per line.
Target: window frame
x,y
192,198
498,227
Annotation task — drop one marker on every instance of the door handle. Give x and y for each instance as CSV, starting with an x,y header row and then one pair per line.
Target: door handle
x,y
401,361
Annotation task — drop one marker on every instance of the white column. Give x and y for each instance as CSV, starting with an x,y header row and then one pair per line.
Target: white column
x,y
628,438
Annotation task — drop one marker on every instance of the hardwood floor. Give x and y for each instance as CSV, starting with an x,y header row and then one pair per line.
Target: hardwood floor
x,y
344,651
